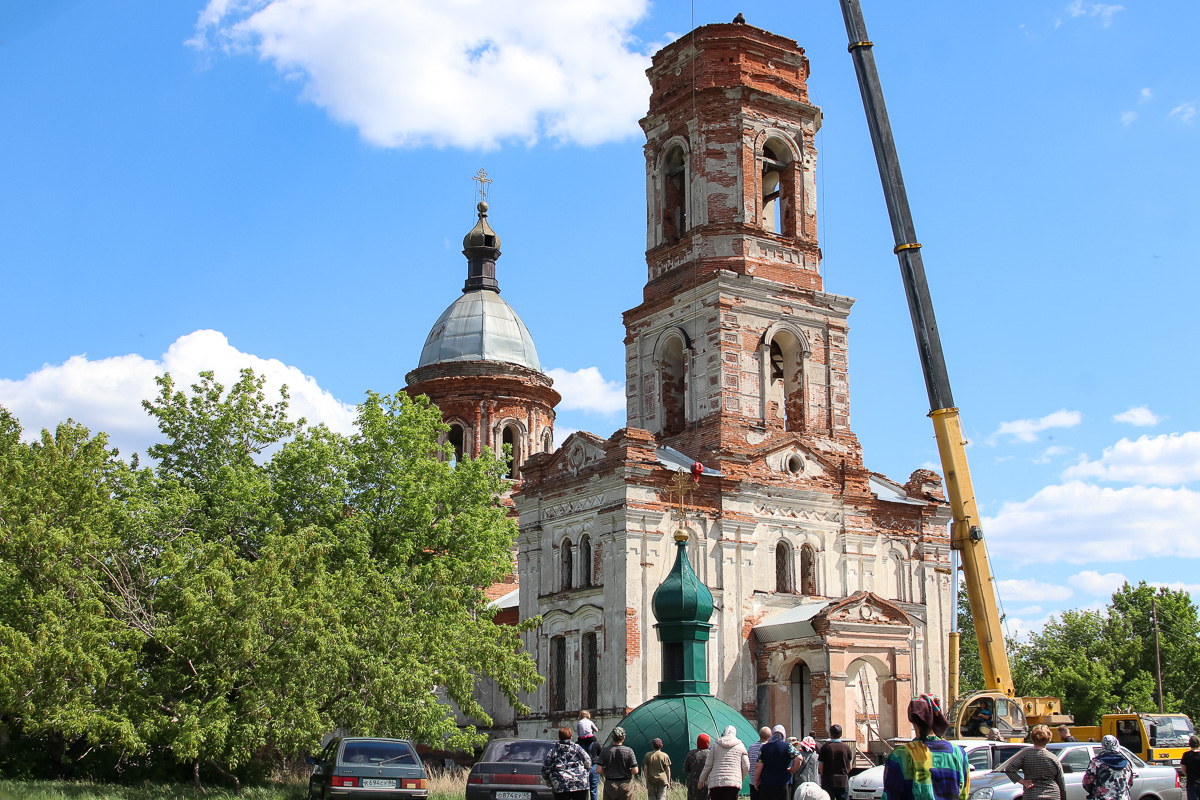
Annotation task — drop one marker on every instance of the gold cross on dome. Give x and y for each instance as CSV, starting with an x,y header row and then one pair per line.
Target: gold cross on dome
x,y
681,487
481,178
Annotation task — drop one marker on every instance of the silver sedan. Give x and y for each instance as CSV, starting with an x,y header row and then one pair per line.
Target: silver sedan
x,y
1149,782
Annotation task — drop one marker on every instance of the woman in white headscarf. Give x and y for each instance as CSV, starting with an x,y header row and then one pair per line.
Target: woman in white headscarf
x,y
726,767
1110,775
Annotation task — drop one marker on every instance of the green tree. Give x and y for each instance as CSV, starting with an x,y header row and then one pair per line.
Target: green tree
x,y
1130,634
1069,658
69,674
970,667
264,583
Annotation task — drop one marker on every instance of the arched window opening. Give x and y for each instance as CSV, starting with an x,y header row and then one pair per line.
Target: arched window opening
x,y
673,403
775,199
785,393
896,577
558,673
598,565
808,570
585,563
783,568
457,440
591,671
512,439
674,206
568,565
548,441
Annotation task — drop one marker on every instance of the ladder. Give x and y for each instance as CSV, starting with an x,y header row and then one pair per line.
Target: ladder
x,y
869,711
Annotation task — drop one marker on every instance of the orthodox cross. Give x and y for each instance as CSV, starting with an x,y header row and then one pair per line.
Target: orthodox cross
x,y
482,179
681,488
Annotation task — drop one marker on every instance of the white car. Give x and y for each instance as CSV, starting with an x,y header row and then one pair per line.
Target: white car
x,y
982,755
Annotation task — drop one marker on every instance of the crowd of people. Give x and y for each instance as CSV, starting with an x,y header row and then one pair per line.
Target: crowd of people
x,y
786,768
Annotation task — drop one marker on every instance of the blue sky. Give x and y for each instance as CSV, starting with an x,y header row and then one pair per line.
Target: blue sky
x,y
285,184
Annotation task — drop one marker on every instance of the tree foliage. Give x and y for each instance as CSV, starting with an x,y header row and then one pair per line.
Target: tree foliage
x,y
263,583
1097,660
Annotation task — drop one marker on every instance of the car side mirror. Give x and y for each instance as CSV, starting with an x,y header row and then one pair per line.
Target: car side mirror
x,y
972,767
1068,768
310,761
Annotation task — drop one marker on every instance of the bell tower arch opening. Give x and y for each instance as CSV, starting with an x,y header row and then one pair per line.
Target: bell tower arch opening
x,y
785,351
777,206
673,191
673,389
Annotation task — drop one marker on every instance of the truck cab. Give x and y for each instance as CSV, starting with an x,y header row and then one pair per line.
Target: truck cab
x,y
1156,738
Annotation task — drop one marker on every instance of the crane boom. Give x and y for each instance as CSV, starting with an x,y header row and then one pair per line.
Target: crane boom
x,y
966,533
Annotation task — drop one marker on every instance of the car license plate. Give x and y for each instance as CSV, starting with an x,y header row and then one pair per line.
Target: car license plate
x,y
378,783
514,795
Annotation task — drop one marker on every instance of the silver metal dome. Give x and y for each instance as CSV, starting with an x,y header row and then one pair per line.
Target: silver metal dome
x,y
480,326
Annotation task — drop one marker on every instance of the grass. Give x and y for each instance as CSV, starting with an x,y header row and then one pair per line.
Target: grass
x,y
443,785
86,790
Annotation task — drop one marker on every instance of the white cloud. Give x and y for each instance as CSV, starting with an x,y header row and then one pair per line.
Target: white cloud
x,y
1103,12
1139,416
1026,430
586,390
1146,95
1164,460
106,394
1025,590
465,73
1021,626
1128,117
1186,112
1092,582
1050,452
1081,523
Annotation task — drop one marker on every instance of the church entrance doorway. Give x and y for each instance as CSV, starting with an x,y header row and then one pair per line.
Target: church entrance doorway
x,y
801,697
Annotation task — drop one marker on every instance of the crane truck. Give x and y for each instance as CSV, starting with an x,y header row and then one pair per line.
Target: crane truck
x,y
994,711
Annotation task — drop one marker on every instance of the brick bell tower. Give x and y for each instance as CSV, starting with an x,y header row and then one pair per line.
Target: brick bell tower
x,y
736,355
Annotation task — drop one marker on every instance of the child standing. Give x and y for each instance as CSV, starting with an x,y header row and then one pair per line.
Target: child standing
x,y
586,730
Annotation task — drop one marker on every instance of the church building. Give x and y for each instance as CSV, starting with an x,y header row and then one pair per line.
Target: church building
x,y
830,583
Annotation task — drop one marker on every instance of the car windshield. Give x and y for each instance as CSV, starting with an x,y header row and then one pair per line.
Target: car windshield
x,y
367,751
518,751
1169,730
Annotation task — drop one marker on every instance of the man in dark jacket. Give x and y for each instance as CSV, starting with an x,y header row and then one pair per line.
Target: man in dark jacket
x,y
773,771
834,764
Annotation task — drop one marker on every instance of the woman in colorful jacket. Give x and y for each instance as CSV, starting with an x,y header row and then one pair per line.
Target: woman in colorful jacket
x,y
928,767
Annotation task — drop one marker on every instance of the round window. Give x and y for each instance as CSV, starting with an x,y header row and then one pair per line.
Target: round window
x,y
795,464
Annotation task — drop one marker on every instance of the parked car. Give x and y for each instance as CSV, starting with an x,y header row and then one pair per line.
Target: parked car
x,y
982,755
511,769
1149,782
362,767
